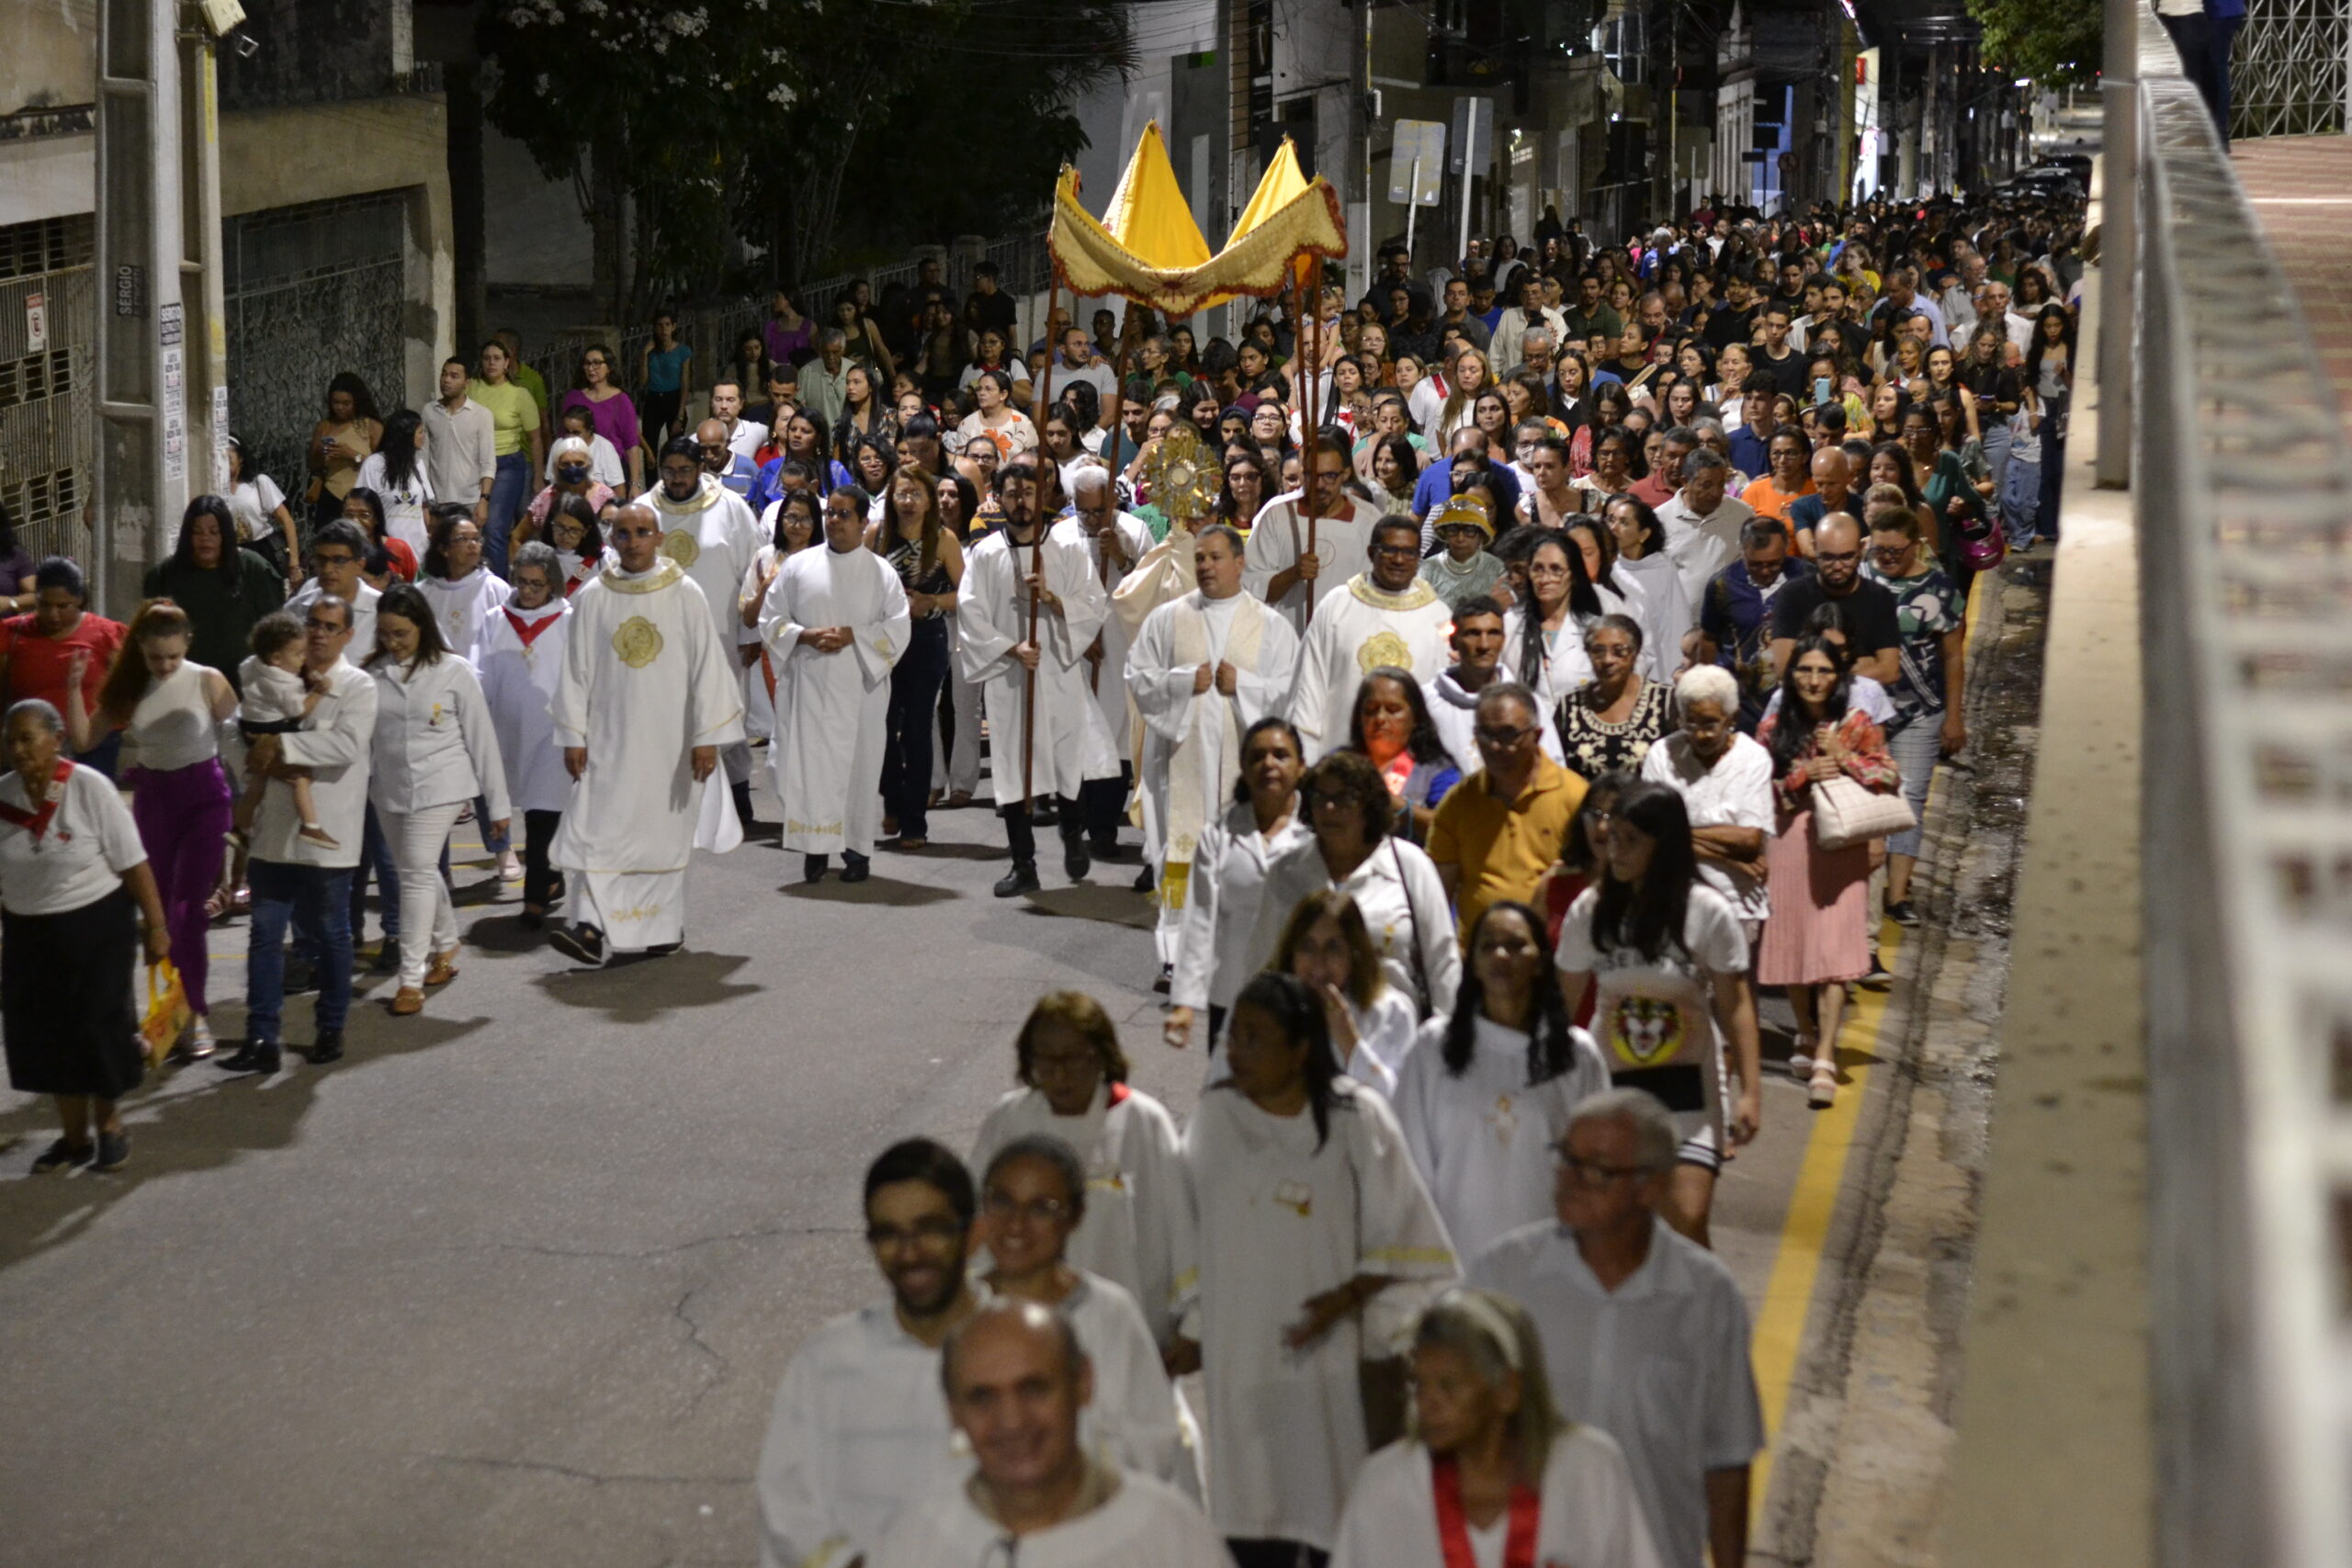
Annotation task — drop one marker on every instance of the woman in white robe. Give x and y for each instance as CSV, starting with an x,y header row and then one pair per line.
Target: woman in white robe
x,y
1317,1242
1073,1075
518,655
1491,1474
1484,1095
1033,1195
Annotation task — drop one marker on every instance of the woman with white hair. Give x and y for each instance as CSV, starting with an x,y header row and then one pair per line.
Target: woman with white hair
x,y
72,871
1491,1473
1726,781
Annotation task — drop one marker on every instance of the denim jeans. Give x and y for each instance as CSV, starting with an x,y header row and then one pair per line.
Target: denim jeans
x,y
1915,749
317,900
509,493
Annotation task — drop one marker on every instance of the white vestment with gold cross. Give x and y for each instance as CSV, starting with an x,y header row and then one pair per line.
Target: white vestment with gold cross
x,y
1358,628
715,537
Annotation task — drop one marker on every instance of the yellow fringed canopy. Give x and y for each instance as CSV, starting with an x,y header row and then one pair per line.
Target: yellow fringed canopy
x,y
1148,249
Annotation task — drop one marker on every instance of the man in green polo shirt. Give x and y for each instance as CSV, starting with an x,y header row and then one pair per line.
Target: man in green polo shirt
x,y
1498,831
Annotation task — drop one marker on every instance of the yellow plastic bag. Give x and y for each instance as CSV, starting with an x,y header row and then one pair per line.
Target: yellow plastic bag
x,y
167,1011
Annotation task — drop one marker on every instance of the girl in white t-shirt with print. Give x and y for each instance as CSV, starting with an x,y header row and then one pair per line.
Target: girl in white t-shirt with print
x,y
1667,958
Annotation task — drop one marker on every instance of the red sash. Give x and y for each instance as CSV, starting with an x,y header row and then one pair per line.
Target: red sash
x,y
529,630
1453,1526
1119,1092
37,822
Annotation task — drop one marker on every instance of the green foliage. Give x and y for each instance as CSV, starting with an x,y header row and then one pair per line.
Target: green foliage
x,y
783,123
2056,43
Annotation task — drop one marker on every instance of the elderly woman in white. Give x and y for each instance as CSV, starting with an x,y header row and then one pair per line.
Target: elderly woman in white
x,y
434,749
518,657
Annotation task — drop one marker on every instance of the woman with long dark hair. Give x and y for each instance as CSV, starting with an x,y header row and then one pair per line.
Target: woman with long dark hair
x,y
395,472
364,509
1544,639
1309,1211
1817,936
340,443
930,564
1667,960
1485,1093
223,590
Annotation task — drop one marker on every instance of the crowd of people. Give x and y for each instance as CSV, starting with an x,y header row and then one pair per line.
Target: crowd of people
x,y
1564,656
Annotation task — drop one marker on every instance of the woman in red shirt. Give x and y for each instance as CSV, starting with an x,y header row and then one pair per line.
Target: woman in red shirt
x,y
36,650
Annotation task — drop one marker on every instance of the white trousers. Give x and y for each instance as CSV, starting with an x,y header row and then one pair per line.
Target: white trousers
x,y
428,920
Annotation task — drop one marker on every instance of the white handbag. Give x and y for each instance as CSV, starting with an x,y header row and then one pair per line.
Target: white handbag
x,y
1845,813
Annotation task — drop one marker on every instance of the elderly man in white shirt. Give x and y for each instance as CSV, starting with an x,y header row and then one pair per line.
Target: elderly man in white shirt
x,y
1703,523
1644,1334
299,881
858,1429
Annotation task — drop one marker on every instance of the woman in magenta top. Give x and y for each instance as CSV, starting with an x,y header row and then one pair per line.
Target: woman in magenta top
x,y
609,409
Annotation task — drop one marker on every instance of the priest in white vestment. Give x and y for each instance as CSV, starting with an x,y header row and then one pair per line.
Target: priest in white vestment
x,y
1071,743
1204,670
1036,1498
858,1427
646,698
710,532
835,621
1388,615
1282,571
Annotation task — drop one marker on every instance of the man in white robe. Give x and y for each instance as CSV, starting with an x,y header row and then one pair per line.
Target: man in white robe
x,y
858,1427
709,531
1071,743
647,697
1387,615
1283,570
1204,670
1016,1382
835,621
1117,542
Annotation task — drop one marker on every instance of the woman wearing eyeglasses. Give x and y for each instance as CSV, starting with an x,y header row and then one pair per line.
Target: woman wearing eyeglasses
x,y
609,410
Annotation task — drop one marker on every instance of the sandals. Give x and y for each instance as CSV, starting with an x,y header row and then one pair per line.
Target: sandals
x,y
1821,1092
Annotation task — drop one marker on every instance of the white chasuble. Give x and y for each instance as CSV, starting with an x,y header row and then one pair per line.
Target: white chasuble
x,y
832,710
1071,744
645,680
1280,1220
1278,536
1193,739
1588,1514
1358,628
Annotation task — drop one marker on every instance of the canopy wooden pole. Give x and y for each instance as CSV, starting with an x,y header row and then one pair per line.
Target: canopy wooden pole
x,y
1037,554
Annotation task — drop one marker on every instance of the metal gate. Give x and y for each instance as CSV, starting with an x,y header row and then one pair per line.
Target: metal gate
x,y
311,291
47,380
2287,73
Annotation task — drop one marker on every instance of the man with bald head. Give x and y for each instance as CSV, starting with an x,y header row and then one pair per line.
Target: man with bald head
x,y
1016,1381
1872,635
724,463
647,697
1833,490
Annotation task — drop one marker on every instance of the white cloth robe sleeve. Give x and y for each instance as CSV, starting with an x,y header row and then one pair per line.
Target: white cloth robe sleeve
x,y
1133,1412
796,1530
1400,1233
1163,689
1590,1515
1062,638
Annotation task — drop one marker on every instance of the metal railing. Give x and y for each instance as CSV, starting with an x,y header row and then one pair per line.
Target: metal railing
x,y
2243,485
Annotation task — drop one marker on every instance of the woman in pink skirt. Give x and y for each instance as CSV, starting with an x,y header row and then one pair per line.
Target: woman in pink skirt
x,y
1817,935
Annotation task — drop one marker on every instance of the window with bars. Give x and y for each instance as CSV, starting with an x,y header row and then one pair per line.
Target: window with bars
x,y
52,244
35,377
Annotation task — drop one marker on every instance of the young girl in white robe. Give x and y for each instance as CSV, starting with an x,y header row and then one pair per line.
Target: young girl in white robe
x,y
1325,943
1318,1243
1491,1474
1484,1095
1074,1086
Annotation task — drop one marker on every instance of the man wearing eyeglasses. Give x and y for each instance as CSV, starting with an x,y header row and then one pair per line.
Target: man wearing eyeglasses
x,y
306,882
1387,615
1644,1334
336,552
1499,830
858,1427
1872,630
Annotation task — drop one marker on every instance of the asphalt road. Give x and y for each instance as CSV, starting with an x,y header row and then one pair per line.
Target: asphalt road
x,y
516,1280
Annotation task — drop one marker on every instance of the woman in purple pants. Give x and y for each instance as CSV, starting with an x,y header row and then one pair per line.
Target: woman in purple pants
x,y
170,711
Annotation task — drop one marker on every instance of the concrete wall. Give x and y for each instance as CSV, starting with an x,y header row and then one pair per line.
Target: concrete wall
x,y
280,157
52,58
532,230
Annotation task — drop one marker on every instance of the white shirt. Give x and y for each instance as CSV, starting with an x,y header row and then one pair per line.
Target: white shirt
x,y
858,1427
363,614
336,747
254,502
1660,1363
518,683
462,606
1402,899
461,449
81,856
1589,1515
1736,793
1143,1525
745,438
1454,713
603,462
173,726
403,504
1221,903
434,743
1701,547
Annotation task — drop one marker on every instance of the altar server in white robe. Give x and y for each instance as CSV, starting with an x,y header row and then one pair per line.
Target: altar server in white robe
x,y
519,655
1204,670
710,532
1117,541
1073,1074
1317,1244
858,1427
646,699
1386,615
1282,571
1017,1379
1491,1474
1071,743
1032,1193
834,623
1484,1096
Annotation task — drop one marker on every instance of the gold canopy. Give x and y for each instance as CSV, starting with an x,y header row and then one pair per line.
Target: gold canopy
x,y
1148,249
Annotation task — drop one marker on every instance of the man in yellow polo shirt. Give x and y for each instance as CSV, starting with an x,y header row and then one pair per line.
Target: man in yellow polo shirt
x,y
1499,830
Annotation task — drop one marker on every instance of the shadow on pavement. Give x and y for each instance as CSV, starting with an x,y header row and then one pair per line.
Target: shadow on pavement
x,y
640,990
873,890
